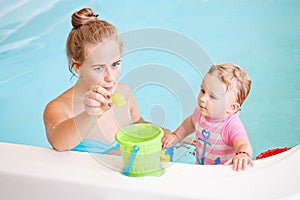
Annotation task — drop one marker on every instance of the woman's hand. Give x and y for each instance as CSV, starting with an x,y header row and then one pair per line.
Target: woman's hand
x,y
96,101
169,140
240,161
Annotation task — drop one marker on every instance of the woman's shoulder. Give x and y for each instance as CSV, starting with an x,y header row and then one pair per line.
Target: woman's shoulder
x,y
124,89
123,86
60,103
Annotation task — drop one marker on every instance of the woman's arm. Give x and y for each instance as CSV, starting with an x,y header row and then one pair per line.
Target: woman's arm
x,y
64,133
134,111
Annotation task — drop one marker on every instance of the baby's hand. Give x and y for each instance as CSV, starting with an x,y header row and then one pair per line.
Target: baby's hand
x,y
240,161
169,140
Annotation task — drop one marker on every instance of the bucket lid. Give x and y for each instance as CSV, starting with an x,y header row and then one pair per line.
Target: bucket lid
x,y
139,134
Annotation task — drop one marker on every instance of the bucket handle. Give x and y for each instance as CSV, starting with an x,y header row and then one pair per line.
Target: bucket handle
x,y
136,148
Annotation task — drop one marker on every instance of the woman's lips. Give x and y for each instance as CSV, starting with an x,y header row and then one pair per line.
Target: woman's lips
x,y
108,88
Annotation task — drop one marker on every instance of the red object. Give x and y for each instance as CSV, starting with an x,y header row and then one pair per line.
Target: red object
x,y
272,152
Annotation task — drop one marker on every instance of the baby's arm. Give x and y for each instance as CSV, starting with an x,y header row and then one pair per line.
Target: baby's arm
x,y
186,128
243,157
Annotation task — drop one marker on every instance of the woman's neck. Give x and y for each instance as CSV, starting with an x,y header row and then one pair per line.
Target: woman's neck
x,y
79,91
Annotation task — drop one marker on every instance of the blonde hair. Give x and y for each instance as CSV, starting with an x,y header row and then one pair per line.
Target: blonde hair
x,y
234,77
87,30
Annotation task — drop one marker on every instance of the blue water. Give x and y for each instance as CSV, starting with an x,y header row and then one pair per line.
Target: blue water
x,y
261,36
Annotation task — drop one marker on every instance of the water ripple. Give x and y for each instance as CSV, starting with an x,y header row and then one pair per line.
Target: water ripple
x,y
28,19
14,77
17,44
12,7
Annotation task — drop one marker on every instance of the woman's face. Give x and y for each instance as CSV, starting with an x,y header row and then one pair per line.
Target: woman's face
x,y
214,99
102,66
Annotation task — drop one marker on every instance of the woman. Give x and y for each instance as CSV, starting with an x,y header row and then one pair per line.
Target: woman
x,y
85,110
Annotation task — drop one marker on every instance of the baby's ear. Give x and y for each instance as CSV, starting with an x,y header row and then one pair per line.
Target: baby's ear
x,y
234,108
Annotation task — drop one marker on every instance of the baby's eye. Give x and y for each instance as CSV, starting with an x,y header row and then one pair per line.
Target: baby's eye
x,y
213,97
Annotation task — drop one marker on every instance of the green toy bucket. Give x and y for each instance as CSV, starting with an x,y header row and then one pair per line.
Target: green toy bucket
x,y
140,146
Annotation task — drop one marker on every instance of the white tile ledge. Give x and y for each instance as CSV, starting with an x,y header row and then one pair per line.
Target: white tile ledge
x,y
30,172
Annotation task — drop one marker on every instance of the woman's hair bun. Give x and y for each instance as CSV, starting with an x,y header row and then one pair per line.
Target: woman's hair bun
x,y
83,17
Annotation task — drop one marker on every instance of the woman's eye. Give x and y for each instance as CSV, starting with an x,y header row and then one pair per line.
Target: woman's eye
x,y
202,91
116,65
98,68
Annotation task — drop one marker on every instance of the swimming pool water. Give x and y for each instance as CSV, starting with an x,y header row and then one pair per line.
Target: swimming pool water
x,y
261,36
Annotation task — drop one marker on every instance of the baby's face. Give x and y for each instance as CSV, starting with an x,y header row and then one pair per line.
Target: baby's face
x,y
214,100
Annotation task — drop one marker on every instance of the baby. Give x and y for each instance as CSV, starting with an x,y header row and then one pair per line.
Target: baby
x,y
220,135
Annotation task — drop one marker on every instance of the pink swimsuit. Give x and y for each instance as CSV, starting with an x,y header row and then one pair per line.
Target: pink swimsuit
x,y
214,138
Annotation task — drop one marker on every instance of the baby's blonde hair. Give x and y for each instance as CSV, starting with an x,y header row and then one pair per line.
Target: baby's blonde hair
x,y
234,77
